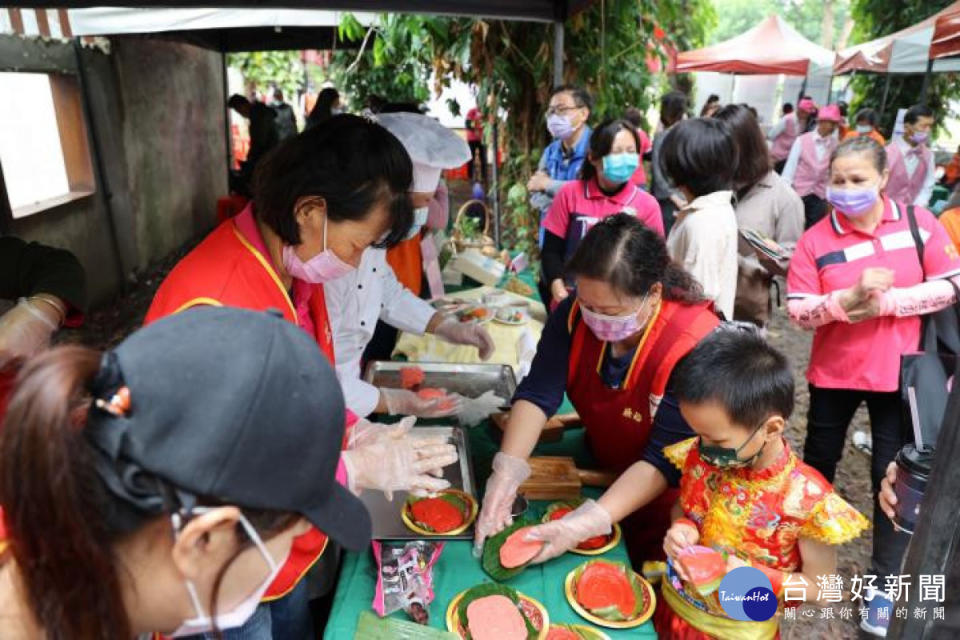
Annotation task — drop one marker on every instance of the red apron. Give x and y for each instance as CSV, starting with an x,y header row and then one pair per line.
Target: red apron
x,y
619,420
227,270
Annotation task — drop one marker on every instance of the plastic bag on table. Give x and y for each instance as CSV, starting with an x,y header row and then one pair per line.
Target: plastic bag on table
x,y
405,577
476,410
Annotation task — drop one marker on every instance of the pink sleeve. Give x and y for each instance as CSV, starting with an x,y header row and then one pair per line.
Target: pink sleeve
x,y
811,312
439,208
341,474
645,144
920,299
803,278
940,257
557,220
652,216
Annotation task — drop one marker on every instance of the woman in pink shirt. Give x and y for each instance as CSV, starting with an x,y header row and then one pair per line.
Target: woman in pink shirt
x,y
856,278
604,189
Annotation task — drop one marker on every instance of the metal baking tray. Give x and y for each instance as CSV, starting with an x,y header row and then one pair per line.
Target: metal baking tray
x,y
387,524
469,380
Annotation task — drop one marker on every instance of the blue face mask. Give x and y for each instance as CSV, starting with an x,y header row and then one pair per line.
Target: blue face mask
x,y
419,219
618,167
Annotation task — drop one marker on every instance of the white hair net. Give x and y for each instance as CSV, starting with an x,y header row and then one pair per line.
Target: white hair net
x,y
431,146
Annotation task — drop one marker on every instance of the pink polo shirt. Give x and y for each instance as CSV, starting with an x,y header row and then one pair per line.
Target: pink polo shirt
x,y
579,205
830,256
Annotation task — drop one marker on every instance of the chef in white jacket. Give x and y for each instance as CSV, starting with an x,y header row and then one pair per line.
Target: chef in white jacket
x,y
371,292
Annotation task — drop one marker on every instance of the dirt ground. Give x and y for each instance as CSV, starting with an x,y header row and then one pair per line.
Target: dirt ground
x,y
109,325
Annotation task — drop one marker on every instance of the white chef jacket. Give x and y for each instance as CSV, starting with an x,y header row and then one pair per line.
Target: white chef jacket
x,y
354,304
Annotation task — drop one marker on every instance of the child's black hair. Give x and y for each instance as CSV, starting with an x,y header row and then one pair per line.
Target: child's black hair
x,y
701,155
740,371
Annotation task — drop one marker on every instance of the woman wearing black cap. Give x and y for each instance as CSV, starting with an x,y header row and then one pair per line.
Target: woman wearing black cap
x,y
141,496
320,199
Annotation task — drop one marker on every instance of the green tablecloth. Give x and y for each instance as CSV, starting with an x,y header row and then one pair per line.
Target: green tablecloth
x,y
457,569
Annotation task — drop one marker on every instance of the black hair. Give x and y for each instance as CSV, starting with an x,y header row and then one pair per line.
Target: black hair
x,y
322,109
237,100
787,108
635,117
701,155
867,115
402,107
673,106
843,107
581,97
278,94
916,112
753,157
351,162
601,142
631,257
713,98
740,371
865,145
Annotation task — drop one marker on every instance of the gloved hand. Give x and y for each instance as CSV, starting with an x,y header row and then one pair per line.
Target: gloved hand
x,y
452,330
586,521
402,402
395,460
508,474
25,330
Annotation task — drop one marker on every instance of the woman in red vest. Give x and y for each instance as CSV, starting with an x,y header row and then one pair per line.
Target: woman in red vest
x,y
611,348
319,200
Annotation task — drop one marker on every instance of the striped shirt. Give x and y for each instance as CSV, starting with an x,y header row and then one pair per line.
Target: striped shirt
x,y
830,256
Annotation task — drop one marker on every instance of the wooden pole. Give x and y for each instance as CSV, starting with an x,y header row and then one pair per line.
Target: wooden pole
x,y
883,103
926,82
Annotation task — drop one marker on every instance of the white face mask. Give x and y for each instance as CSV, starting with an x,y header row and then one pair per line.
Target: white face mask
x,y
419,219
237,616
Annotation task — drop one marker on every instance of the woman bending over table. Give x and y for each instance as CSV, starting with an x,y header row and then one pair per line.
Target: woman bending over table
x,y
611,348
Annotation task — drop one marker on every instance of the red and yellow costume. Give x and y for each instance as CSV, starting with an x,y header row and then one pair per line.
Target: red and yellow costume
x,y
759,516
619,421
231,267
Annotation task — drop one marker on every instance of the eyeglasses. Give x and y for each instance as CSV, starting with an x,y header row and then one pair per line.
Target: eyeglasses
x,y
561,110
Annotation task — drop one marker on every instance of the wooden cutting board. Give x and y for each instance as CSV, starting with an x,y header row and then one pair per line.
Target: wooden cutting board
x,y
552,431
557,478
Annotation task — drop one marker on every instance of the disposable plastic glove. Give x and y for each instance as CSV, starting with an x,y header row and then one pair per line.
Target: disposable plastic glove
x,y
508,474
25,329
401,402
452,330
396,460
585,522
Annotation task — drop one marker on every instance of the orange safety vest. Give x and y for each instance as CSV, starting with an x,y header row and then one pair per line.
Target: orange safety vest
x,y
227,270
406,260
950,219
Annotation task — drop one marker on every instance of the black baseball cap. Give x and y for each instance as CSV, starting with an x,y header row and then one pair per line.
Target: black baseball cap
x,y
229,404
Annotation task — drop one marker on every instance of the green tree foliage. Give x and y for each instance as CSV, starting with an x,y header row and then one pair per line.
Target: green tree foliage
x,y
607,48
806,16
263,70
876,18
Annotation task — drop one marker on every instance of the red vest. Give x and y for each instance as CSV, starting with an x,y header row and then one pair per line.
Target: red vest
x,y
226,270
619,421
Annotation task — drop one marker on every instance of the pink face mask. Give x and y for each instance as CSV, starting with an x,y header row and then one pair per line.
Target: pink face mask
x,y
320,268
613,328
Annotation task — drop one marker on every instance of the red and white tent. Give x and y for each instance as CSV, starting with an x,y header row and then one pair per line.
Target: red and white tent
x,y
909,50
770,48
